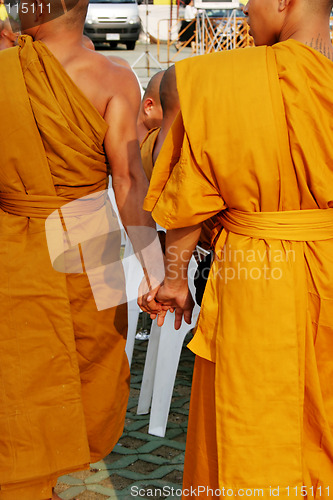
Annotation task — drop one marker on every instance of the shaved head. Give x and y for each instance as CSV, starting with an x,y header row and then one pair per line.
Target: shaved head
x,y
71,13
150,114
153,87
318,6
76,12
168,94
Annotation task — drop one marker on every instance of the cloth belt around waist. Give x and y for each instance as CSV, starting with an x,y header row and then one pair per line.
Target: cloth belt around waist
x,y
294,225
41,206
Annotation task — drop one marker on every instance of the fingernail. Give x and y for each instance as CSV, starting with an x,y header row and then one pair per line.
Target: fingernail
x,y
149,298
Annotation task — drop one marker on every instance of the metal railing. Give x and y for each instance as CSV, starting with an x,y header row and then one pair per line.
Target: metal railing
x,y
173,43
216,34
211,35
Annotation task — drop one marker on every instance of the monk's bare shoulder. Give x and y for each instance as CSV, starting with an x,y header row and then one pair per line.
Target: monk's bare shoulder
x,y
119,60
112,70
102,79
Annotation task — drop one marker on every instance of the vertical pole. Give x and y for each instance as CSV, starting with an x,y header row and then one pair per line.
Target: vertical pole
x,y
147,41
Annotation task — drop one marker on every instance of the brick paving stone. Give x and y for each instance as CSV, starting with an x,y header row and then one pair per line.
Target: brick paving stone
x,y
72,480
92,495
122,463
166,452
132,441
97,477
118,482
142,466
71,493
140,460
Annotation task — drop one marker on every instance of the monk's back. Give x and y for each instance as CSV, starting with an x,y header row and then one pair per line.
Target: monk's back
x,y
96,76
306,82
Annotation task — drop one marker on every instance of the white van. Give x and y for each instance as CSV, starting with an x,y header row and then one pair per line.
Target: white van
x,y
113,21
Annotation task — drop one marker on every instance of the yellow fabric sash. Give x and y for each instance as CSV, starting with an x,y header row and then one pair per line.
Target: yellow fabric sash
x,y
41,207
293,225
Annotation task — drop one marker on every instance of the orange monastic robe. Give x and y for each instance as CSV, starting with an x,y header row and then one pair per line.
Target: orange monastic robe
x,y
147,149
258,141
64,373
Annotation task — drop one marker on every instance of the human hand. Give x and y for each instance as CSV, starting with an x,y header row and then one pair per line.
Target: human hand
x,y
174,298
147,299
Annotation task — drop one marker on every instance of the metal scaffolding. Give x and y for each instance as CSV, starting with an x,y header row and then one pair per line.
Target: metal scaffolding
x,y
212,34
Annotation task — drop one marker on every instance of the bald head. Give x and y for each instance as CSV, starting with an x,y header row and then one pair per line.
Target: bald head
x,y
153,87
150,114
76,13
169,94
68,13
319,6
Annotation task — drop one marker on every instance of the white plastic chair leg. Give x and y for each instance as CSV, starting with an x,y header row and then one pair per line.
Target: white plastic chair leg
x,y
170,346
133,275
168,355
132,318
147,385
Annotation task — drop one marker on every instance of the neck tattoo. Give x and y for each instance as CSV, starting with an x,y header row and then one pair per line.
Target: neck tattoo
x,y
322,47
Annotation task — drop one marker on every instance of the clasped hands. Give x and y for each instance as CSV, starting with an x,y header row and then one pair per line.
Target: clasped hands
x,y
168,296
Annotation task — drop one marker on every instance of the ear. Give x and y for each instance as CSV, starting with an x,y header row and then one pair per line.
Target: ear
x,y
5,33
11,36
38,6
148,104
284,4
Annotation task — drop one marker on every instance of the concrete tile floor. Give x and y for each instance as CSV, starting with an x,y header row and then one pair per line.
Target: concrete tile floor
x,y
141,465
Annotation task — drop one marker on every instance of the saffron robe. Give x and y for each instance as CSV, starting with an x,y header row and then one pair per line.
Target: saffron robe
x,y
147,149
64,373
258,141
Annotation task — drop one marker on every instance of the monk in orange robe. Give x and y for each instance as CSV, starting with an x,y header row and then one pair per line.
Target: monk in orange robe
x,y
152,144
147,147
252,145
150,113
64,374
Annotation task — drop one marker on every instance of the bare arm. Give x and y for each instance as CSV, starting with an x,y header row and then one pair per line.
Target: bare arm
x,y
128,178
122,148
174,293
180,244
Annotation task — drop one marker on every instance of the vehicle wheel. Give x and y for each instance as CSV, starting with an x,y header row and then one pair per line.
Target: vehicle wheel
x,y
113,45
130,45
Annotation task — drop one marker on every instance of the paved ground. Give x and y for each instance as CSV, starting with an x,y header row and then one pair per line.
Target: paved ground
x,y
145,59
140,465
